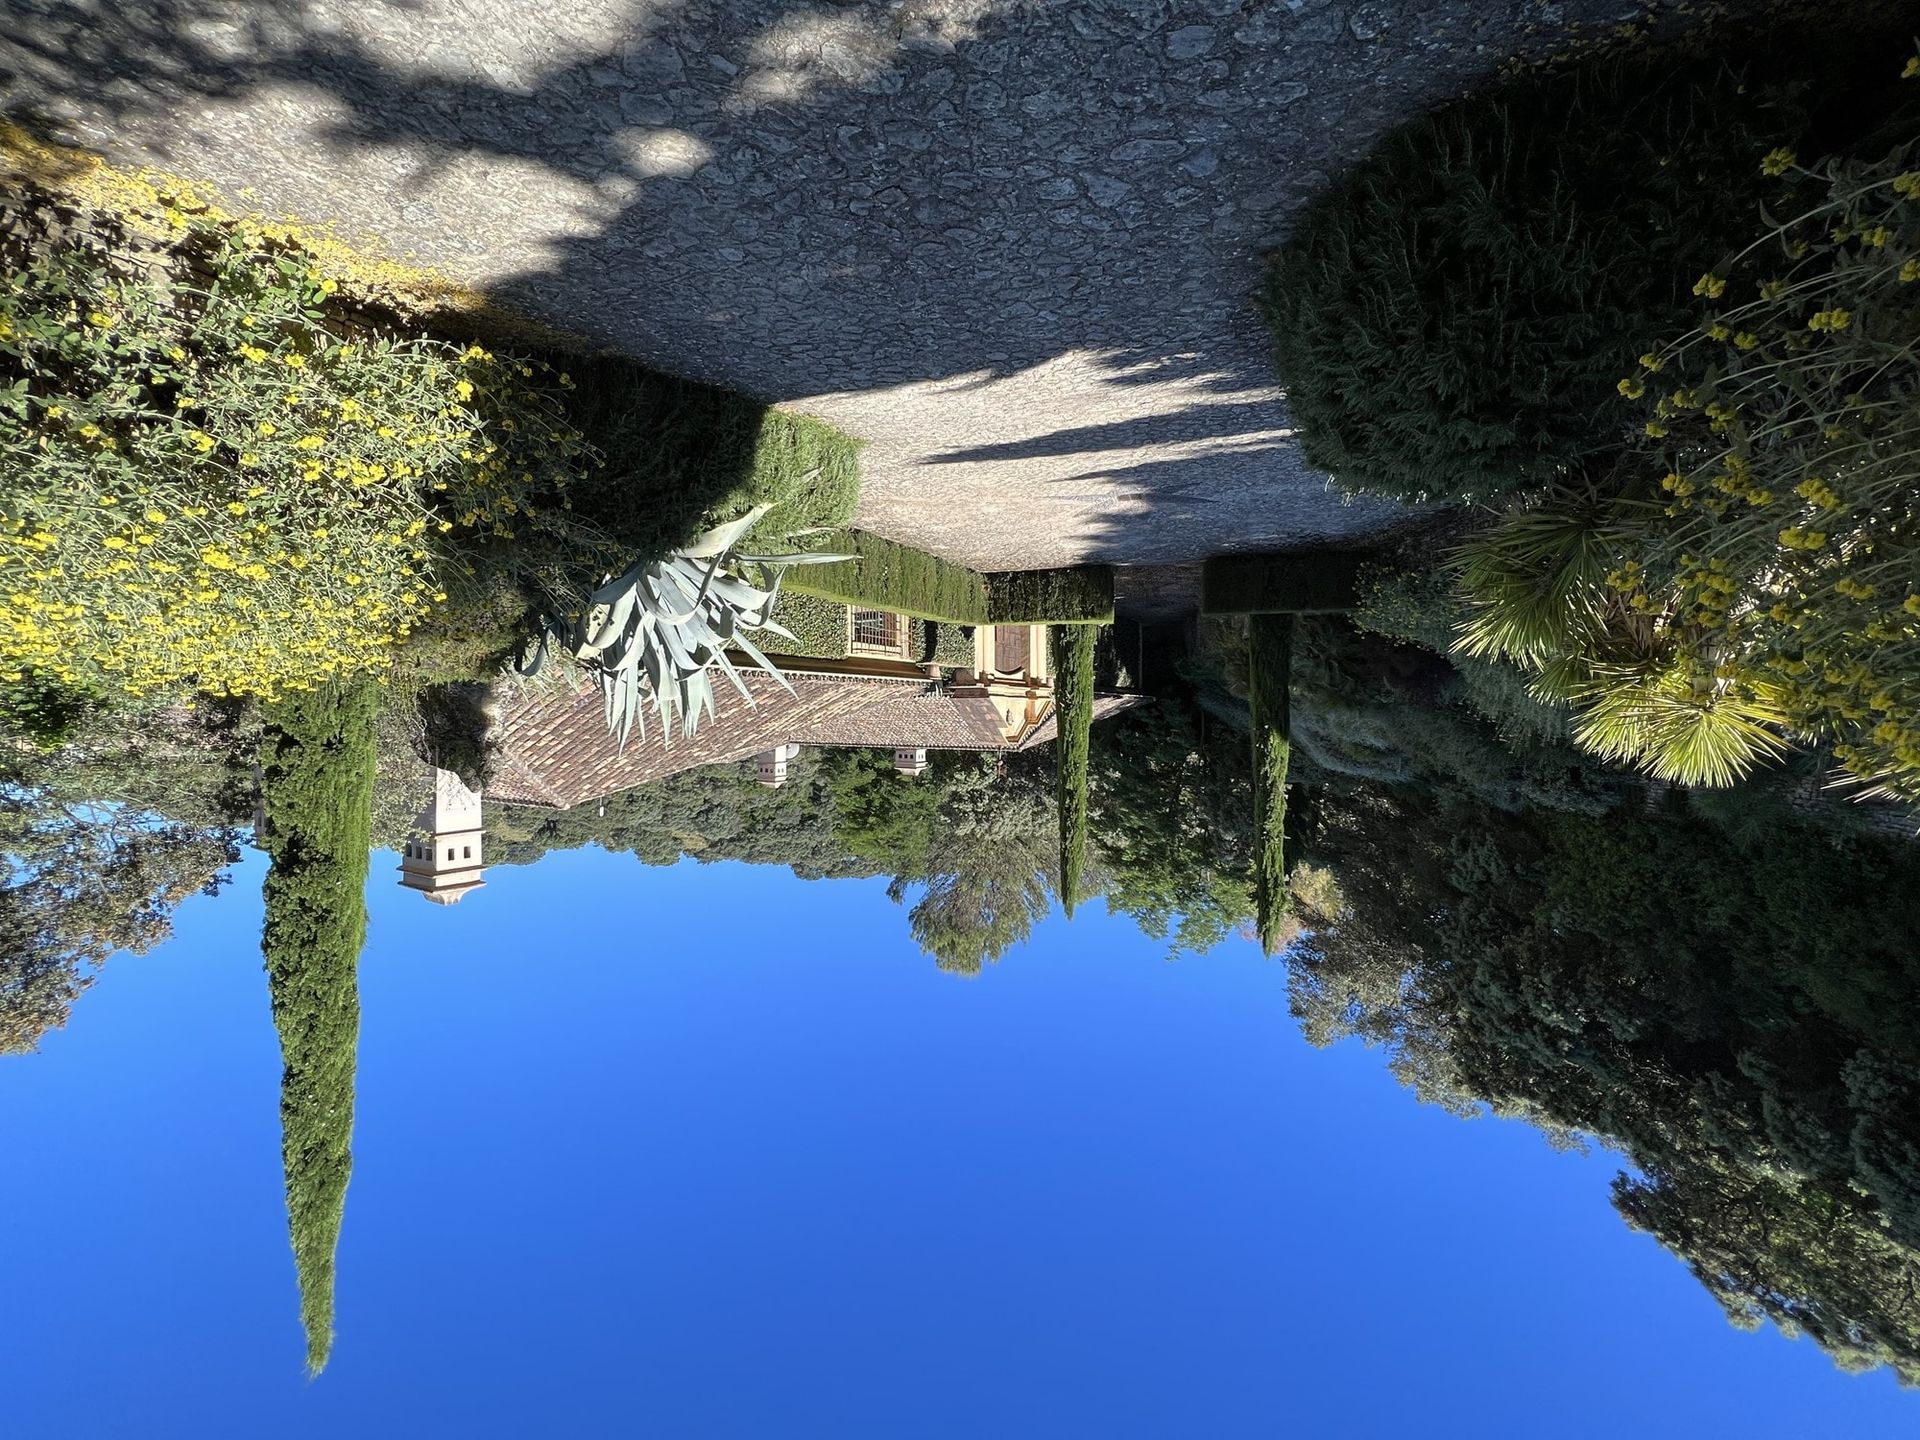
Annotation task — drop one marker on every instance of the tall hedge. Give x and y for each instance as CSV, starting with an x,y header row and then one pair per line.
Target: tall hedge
x,y
317,759
886,576
1451,318
1269,670
1073,647
1078,596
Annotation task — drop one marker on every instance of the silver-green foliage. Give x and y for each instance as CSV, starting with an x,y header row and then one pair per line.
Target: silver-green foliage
x,y
653,636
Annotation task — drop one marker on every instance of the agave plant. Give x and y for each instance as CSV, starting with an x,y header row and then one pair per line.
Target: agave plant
x,y
655,635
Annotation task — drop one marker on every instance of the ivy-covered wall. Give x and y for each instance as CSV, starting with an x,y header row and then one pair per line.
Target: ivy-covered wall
x,y
819,626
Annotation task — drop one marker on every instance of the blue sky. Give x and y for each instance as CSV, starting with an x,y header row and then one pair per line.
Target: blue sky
x,y
710,1151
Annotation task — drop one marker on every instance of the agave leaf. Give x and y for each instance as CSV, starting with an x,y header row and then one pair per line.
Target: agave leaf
x,y
615,621
804,557
722,538
732,672
534,663
754,654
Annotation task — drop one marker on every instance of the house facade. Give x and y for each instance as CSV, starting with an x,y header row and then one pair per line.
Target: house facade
x,y
551,747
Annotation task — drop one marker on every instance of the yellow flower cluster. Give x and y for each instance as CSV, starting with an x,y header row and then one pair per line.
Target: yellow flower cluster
x,y
227,494
1779,552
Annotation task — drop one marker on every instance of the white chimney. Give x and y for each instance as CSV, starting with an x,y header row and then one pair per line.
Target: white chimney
x,y
443,858
772,764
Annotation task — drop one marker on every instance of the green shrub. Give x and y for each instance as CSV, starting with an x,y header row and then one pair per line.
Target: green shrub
x,y
680,457
215,481
819,625
1073,647
1450,318
1080,596
952,645
1269,672
885,576
43,711
317,760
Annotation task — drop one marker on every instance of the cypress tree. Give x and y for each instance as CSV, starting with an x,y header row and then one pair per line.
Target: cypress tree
x,y
1269,667
1073,647
317,759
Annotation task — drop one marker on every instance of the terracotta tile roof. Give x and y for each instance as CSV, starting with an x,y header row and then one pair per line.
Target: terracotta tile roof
x,y
554,750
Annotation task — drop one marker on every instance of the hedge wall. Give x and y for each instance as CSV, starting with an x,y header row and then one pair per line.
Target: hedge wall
x,y
952,645
819,625
887,576
1082,596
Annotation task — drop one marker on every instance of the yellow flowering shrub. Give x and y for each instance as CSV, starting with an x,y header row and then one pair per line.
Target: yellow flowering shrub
x,y
208,477
1747,569
1783,545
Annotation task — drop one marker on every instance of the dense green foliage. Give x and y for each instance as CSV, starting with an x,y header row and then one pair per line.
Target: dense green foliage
x,y
883,820
1269,695
1750,570
84,881
1080,596
885,576
217,481
990,865
1269,584
1171,824
1073,647
43,711
717,812
1451,317
976,834
681,456
1733,1008
103,840
317,760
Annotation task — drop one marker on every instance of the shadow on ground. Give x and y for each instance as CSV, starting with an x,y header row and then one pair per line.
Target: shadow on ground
x,y
1011,245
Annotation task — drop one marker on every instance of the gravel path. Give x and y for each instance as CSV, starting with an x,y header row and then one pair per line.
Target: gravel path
x,y
1011,245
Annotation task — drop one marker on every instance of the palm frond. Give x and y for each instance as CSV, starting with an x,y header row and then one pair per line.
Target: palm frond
x,y
1682,732
1536,583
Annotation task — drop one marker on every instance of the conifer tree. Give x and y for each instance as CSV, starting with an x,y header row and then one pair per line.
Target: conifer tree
x,y
317,759
1073,647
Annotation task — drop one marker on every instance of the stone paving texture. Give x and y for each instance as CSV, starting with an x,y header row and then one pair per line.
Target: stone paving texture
x,y
1012,245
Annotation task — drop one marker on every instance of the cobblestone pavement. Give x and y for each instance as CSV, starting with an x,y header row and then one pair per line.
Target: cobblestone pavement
x,y
1011,245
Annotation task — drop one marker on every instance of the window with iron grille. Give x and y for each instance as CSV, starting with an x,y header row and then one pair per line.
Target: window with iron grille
x,y
875,632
